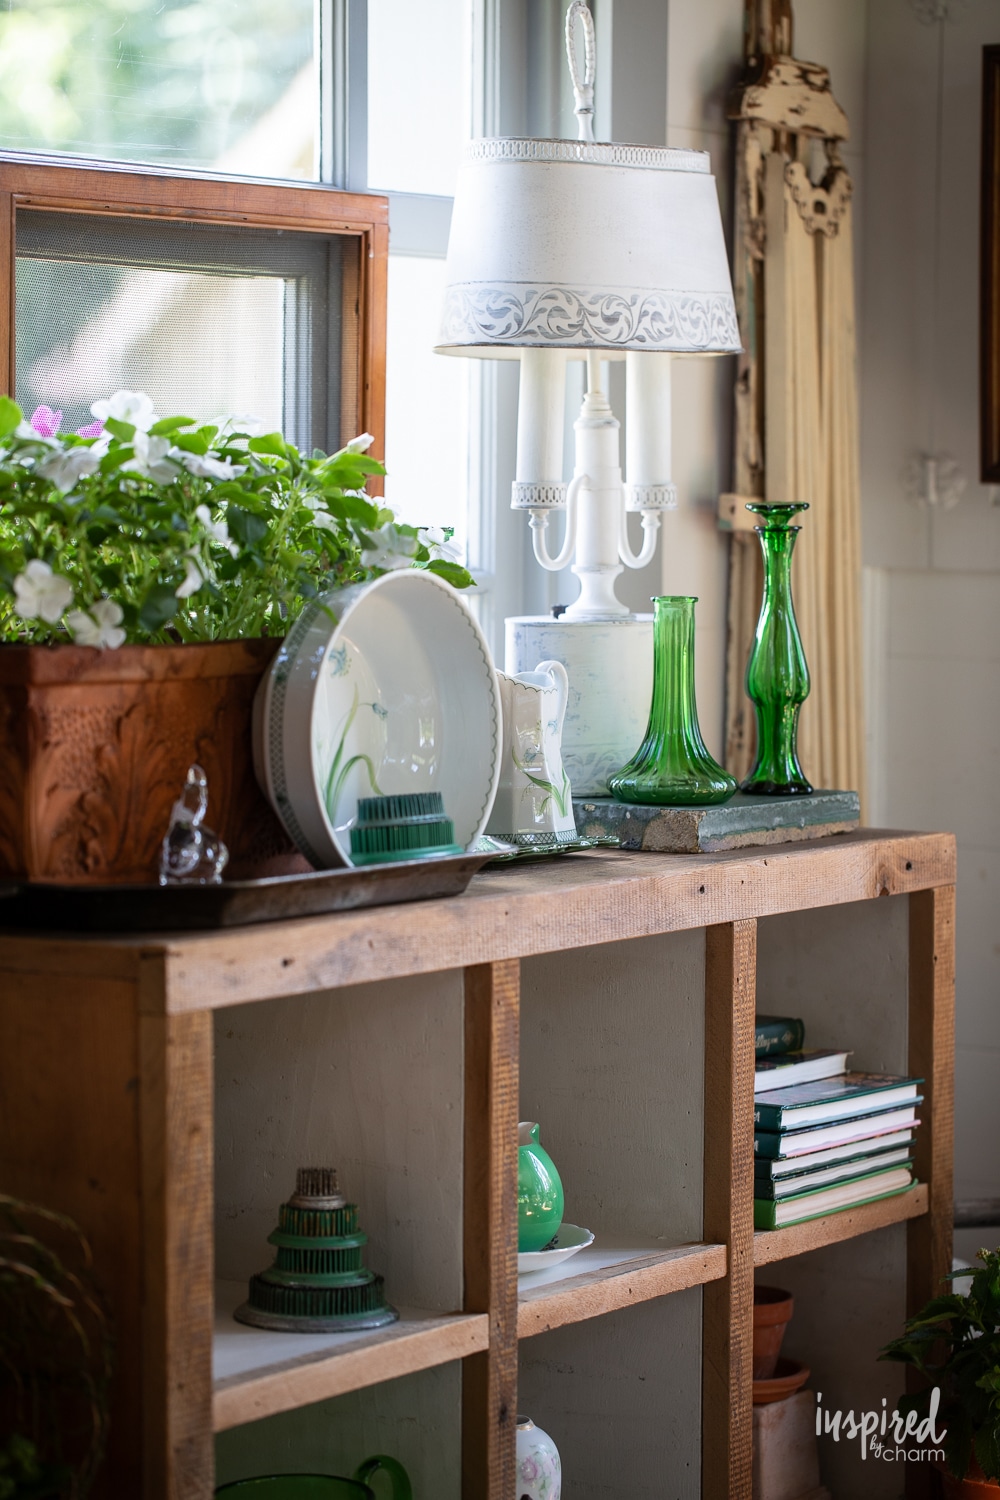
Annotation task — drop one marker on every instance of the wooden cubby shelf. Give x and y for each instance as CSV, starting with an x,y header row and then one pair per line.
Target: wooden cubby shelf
x,y
256,1373
796,1239
161,1088
605,1277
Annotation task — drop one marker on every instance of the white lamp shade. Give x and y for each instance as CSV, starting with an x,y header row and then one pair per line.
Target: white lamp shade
x,y
582,245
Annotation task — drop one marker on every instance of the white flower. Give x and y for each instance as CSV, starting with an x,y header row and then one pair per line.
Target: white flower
x,y
217,530
193,578
65,468
360,444
151,459
323,519
203,466
127,406
438,544
25,430
242,422
99,627
392,549
38,592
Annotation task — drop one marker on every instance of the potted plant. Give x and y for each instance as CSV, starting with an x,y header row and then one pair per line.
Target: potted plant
x,y
148,569
954,1342
56,1351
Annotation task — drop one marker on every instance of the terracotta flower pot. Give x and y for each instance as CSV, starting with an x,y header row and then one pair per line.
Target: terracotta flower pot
x,y
94,748
772,1309
975,1485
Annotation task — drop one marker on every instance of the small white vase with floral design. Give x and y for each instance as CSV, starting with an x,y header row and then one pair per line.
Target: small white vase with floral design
x,y
539,1471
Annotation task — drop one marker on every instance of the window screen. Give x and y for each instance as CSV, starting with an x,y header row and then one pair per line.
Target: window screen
x,y
209,321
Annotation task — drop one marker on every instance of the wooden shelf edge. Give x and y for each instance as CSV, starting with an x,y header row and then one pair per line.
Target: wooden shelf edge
x,y
401,1349
622,1285
780,1244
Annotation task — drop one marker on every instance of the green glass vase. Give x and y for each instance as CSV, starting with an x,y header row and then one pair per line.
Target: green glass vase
x,y
672,766
777,676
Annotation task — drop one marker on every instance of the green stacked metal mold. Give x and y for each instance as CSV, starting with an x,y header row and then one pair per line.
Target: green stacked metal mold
x,y
319,1282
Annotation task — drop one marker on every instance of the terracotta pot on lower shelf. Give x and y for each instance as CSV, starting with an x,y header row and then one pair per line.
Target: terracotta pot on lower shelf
x,y
95,746
772,1309
975,1485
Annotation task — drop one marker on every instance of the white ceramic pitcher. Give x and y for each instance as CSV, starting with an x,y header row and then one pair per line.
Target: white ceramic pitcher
x,y
534,803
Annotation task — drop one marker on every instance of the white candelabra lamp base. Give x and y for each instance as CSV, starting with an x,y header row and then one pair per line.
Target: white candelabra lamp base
x,y
610,668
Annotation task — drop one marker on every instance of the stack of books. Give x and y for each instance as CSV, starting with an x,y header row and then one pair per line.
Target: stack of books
x,y
825,1139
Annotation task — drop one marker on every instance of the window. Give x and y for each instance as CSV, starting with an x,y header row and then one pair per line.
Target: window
x,y
364,95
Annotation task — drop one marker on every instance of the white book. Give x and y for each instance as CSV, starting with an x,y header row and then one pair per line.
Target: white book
x,y
830,1200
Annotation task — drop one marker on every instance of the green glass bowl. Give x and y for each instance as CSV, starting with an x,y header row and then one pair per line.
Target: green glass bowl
x,y
298,1487
322,1486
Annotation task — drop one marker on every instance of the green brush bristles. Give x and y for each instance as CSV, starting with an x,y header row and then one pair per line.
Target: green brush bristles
x,y
412,825
328,1223
331,1302
318,1282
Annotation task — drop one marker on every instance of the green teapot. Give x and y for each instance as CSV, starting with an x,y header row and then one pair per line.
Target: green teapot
x,y
539,1191
323,1486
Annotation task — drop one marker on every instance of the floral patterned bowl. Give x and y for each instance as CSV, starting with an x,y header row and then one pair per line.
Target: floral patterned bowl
x,y
378,689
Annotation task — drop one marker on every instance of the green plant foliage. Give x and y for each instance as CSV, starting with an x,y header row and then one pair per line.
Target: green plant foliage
x,y
955,1344
55,1357
168,531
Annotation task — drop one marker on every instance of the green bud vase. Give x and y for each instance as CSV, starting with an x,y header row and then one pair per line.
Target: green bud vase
x,y
777,676
672,766
539,1191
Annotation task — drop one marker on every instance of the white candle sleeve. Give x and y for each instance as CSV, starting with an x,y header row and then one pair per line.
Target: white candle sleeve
x,y
647,431
540,422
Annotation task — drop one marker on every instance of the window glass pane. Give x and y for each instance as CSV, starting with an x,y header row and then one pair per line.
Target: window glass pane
x,y
427,404
226,84
208,321
418,85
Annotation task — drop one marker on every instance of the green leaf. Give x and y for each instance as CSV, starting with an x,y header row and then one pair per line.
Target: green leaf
x,y
10,415
108,576
97,534
452,572
246,528
192,442
158,607
166,425
124,431
115,459
271,442
988,1451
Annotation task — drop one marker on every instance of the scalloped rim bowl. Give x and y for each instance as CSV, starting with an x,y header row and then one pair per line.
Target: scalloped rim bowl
x,y
381,688
574,1238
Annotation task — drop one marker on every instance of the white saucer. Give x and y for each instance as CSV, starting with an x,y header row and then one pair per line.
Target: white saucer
x,y
569,1240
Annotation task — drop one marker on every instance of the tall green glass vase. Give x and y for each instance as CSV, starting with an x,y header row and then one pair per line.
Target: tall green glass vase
x,y
672,767
777,676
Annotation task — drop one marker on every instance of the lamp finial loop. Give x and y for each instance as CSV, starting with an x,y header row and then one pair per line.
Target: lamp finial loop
x,y
583,89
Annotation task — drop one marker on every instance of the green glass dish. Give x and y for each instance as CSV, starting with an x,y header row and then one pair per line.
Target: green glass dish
x,y
540,1201
324,1486
672,766
777,679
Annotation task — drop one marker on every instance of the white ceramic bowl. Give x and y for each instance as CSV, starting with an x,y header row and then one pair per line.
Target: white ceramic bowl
x,y
379,689
571,1239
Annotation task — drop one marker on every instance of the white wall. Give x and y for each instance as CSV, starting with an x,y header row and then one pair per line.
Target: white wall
x,y
936,647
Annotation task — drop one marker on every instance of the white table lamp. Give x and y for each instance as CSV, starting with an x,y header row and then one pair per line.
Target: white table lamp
x,y
580,249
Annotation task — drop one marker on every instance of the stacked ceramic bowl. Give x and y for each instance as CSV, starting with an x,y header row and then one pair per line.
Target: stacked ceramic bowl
x,y
387,691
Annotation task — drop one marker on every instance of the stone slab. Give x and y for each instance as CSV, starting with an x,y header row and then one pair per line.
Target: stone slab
x,y
740,823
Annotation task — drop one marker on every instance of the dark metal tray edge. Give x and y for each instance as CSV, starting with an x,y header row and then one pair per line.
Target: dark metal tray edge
x,y
235,903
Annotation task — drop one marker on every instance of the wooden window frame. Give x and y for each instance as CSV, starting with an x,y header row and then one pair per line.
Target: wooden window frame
x,y
27,182
989,265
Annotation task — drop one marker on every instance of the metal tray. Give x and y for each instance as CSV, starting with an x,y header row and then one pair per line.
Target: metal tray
x,y
234,903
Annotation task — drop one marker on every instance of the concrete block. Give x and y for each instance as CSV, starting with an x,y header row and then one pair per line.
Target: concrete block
x,y
785,1459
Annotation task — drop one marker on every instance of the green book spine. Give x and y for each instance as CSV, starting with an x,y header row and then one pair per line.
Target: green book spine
x,y
776,1034
765,1209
